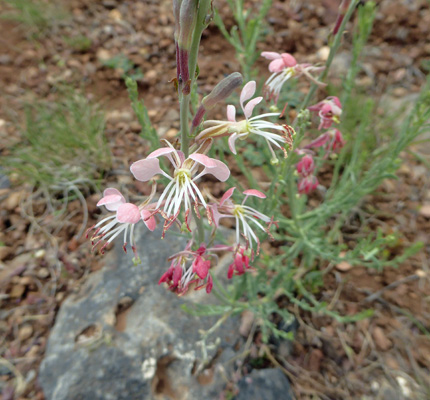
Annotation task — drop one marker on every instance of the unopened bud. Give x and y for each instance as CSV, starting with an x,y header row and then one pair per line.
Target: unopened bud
x,y
176,11
274,161
222,90
343,8
187,23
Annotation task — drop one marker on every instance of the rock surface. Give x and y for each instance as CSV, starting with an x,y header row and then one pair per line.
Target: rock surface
x,y
264,384
124,337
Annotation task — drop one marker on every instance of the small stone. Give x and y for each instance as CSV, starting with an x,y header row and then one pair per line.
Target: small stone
x,y
323,53
171,133
381,340
5,251
33,352
151,75
343,266
424,211
17,291
13,200
103,55
39,254
25,332
43,273
115,15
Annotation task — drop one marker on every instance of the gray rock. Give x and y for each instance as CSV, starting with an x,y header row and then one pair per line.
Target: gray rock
x,y
151,349
4,180
264,384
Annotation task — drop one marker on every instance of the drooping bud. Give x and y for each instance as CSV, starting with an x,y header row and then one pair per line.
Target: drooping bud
x,y
176,13
343,8
219,93
187,23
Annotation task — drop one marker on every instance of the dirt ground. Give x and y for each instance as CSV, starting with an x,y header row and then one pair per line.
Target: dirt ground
x,y
384,357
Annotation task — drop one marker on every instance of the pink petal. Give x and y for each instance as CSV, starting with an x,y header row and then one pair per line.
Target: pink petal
x,y
326,108
289,60
161,152
204,160
316,107
219,171
254,192
201,267
226,195
110,191
250,106
247,92
112,202
336,101
231,143
270,55
277,65
128,213
231,113
209,284
144,170
150,222
319,141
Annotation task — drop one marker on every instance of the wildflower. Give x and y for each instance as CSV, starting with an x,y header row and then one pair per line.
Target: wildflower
x,y
332,140
307,184
306,165
283,67
226,208
190,268
240,263
329,111
182,188
305,169
126,216
274,134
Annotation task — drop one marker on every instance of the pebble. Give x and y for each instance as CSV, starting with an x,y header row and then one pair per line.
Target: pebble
x,y
25,332
43,273
103,55
5,251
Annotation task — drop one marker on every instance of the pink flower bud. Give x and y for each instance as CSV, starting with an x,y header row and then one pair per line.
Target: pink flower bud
x,y
306,165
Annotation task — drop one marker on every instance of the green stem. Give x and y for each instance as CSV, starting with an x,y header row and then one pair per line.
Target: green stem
x,y
192,63
184,114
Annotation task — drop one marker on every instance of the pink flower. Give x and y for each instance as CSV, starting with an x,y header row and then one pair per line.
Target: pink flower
x,y
283,67
126,216
240,263
307,184
306,165
226,208
182,188
332,140
329,111
274,134
190,268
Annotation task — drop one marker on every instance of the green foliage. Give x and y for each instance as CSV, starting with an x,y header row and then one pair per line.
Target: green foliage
x,y
79,43
39,17
63,142
126,67
148,131
311,238
244,36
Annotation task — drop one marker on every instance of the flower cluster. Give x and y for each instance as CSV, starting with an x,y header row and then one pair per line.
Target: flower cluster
x,y
183,201
283,67
183,166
